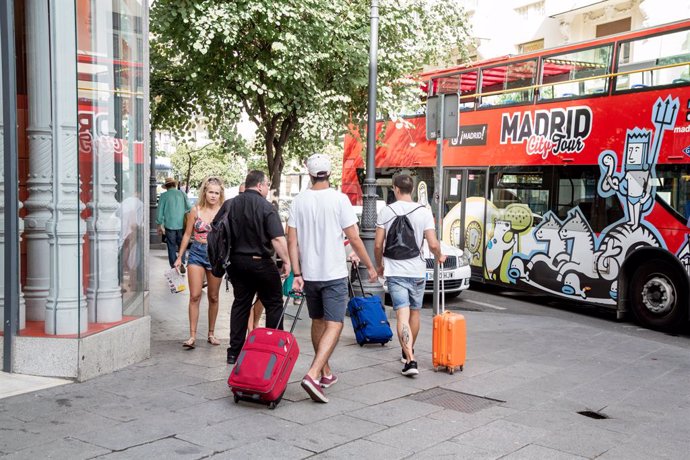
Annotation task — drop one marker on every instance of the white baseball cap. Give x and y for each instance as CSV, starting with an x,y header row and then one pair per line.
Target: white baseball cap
x,y
319,165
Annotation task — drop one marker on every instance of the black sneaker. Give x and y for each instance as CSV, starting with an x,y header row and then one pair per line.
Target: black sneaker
x,y
410,369
404,358
231,358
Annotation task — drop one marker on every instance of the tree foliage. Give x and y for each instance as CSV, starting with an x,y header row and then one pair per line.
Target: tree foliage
x,y
192,165
298,68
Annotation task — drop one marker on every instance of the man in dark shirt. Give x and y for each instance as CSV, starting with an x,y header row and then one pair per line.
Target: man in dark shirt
x,y
257,234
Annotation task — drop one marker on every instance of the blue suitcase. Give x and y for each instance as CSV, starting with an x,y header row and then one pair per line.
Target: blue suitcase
x,y
368,317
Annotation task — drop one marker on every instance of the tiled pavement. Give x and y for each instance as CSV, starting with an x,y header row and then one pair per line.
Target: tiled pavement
x,y
541,369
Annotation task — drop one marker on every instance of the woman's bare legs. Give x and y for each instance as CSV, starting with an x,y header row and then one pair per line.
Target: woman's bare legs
x,y
195,277
213,290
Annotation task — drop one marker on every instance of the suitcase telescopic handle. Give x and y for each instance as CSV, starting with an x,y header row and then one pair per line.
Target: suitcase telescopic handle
x,y
355,269
292,294
442,285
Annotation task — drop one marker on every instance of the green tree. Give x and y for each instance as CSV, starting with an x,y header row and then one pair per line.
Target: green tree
x,y
194,164
298,68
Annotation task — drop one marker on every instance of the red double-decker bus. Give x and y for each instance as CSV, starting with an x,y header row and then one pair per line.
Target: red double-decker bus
x,y
571,172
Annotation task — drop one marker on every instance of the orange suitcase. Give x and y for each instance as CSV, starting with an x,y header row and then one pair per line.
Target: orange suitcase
x,y
449,339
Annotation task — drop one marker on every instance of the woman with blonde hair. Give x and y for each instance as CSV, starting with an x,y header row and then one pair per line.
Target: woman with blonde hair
x,y
211,197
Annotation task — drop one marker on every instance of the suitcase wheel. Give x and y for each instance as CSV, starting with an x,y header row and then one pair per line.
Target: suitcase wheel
x,y
361,344
383,344
272,405
462,368
236,398
451,370
435,368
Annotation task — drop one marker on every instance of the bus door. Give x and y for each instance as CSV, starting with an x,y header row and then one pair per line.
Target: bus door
x,y
463,224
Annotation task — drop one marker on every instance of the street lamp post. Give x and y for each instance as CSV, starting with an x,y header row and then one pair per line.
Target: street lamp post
x,y
368,230
154,237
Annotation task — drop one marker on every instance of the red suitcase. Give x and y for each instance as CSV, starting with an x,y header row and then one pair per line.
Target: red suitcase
x,y
265,363
449,339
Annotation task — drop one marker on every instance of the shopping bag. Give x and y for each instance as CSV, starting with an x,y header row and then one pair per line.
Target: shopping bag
x,y
287,287
176,281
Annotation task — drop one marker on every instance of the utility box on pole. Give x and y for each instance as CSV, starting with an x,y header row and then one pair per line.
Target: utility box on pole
x,y
449,104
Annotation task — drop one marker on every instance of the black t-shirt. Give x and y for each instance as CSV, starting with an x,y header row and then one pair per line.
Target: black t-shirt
x,y
254,222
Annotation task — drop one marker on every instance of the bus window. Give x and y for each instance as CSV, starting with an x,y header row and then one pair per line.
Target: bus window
x,y
576,74
463,84
654,61
508,84
449,84
673,187
468,90
510,187
577,187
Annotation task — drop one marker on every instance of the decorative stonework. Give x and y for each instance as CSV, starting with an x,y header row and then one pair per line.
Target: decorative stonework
x,y
40,181
104,297
65,306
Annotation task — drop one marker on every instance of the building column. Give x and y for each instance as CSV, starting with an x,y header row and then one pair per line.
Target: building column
x,y
65,309
154,237
40,136
104,297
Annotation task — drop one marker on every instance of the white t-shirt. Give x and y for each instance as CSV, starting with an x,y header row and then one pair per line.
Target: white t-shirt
x,y
421,220
320,217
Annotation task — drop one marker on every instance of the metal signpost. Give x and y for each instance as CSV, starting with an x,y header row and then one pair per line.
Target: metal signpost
x,y
442,122
10,167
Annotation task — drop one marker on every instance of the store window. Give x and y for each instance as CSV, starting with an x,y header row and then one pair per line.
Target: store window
x,y
110,61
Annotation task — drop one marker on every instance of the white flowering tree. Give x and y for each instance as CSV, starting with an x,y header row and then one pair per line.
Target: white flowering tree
x,y
298,68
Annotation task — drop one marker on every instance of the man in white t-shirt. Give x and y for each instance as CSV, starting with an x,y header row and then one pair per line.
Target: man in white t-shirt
x,y
403,264
318,218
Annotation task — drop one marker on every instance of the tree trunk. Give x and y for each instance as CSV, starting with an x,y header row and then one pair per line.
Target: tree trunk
x,y
189,173
275,145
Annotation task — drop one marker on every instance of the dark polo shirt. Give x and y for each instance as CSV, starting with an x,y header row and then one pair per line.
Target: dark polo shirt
x,y
254,223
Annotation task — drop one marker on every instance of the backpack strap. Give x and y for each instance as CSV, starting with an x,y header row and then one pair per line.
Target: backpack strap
x,y
400,215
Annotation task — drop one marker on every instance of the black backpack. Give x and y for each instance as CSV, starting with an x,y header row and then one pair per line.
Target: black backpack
x,y
219,242
401,243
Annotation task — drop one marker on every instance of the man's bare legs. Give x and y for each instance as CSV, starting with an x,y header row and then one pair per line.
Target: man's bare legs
x,y
405,334
324,338
414,325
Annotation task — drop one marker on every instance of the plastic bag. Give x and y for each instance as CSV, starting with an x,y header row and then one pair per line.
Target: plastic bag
x,y
177,282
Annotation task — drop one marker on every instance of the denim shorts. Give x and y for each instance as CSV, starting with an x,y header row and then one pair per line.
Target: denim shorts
x,y
327,299
406,292
199,256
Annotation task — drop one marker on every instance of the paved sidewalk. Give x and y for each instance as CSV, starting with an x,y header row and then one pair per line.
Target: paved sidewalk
x,y
538,370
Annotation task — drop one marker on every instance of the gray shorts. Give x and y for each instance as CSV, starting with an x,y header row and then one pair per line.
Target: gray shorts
x,y
327,300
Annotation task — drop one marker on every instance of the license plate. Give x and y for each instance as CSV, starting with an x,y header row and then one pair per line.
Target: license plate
x,y
444,275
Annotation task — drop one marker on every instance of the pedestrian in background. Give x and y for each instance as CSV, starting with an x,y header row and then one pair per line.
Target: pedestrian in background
x,y
257,234
172,206
211,196
318,218
406,277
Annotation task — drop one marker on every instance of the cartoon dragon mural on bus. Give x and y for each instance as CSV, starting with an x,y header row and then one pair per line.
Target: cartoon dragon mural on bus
x,y
514,254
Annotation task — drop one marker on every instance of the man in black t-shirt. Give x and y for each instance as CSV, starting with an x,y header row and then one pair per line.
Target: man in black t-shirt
x,y
257,234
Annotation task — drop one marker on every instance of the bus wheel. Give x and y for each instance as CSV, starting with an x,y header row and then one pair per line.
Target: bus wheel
x,y
655,297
